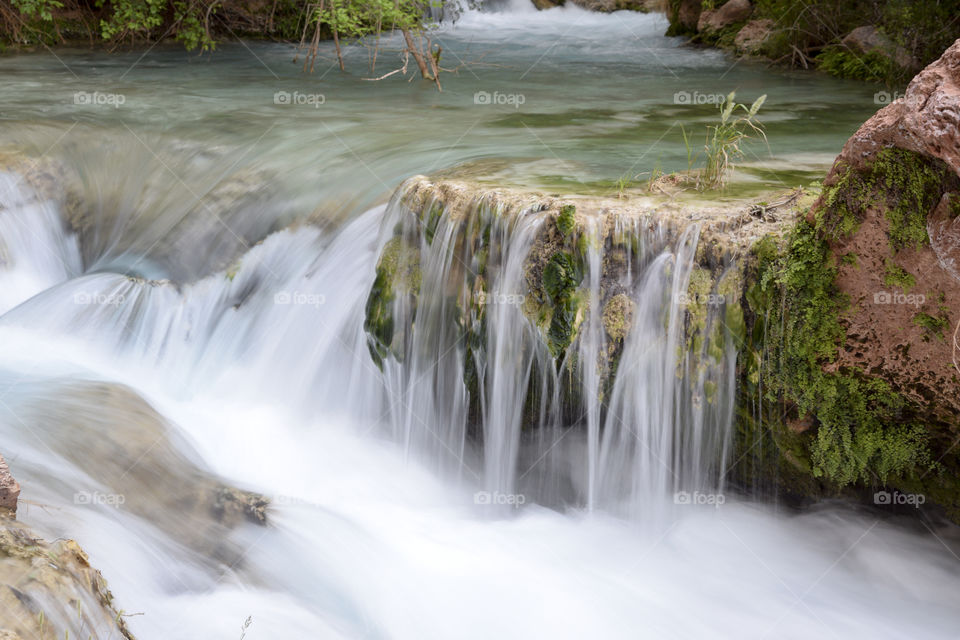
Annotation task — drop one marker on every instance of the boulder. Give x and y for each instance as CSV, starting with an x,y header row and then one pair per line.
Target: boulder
x,y
926,120
683,16
9,488
887,219
754,35
868,39
732,12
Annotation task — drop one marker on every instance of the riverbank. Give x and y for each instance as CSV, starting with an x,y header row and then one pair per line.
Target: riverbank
x,y
878,41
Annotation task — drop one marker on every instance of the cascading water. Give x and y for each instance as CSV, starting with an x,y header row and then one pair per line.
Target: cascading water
x,y
265,373
661,436
169,337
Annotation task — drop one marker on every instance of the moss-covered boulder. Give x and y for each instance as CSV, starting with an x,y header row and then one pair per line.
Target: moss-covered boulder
x,y
855,383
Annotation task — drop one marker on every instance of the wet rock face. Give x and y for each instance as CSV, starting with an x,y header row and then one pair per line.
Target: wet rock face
x,y
9,489
51,591
561,288
134,456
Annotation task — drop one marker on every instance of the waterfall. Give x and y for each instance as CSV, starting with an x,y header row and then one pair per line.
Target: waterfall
x,y
272,375
473,387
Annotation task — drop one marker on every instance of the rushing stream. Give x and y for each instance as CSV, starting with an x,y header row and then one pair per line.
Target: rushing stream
x,y
135,365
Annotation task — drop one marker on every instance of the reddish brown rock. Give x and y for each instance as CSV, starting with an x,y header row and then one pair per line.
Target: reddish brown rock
x,y
897,293
685,14
732,12
754,35
9,488
868,39
925,120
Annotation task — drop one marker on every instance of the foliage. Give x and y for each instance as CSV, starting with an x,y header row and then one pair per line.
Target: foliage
x,y
724,141
895,276
189,21
906,184
934,325
566,221
42,9
873,66
359,18
864,432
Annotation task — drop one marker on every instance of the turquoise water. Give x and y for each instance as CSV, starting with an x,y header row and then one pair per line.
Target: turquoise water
x,y
583,100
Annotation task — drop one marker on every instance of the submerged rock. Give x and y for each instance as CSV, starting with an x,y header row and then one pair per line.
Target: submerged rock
x,y
119,441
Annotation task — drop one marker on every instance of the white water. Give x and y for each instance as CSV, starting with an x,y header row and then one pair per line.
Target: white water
x,y
365,541
264,378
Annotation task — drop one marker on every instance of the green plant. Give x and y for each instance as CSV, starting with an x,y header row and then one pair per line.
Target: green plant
x,y
934,325
873,66
566,219
896,276
42,9
865,433
725,139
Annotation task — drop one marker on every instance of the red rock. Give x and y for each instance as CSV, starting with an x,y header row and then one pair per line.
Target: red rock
x,y
868,38
925,120
753,35
732,12
686,14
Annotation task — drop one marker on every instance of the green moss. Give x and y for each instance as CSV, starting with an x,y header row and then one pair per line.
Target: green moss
x,y
954,205
398,272
561,277
563,324
864,434
432,220
618,316
904,184
934,325
838,60
896,276
566,220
